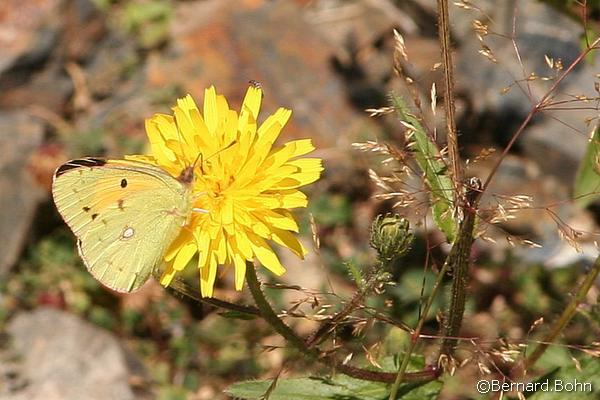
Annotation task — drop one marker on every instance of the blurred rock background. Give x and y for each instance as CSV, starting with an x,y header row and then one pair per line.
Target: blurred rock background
x,y
78,77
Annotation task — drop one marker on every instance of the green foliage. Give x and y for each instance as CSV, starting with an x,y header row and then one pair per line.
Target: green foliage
x,y
331,210
355,273
102,5
148,21
410,289
410,292
340,387
587,38
569,374
587,183
53,264
172,393
553,356
434,169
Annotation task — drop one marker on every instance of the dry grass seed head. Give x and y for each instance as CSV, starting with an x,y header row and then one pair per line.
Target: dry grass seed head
x,y
465,5
566,232
376,112
369,355
483,155
486,51
481,29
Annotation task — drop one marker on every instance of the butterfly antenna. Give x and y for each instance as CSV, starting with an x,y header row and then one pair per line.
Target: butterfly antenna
x,y
233,142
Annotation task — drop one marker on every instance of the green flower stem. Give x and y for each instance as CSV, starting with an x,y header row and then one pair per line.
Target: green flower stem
x,y
267,313
182,289
566,315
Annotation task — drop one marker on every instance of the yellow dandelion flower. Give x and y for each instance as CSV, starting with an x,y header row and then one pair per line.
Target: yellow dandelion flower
x,y
245,185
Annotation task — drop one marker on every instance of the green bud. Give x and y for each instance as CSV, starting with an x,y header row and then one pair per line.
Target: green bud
x,y
390,236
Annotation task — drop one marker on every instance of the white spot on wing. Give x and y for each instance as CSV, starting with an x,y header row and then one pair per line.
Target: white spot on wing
x,y
128,233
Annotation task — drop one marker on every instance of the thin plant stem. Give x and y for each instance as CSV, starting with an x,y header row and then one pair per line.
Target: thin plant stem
x,y
401,374
267,313
449,106
566,315
458,260
539,106
181,288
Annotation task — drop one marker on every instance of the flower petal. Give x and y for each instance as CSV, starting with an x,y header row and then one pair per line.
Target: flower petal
x,y
239,263
277,220
266,255
287,239
211,117
208,274
252,101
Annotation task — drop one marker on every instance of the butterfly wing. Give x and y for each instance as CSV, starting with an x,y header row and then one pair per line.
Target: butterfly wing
x,y
125,215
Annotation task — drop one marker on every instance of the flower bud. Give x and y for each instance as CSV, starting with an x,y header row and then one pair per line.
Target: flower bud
x,y
390,236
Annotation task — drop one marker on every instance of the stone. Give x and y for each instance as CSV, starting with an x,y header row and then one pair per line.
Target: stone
x,y
29,30
545,141
230,43
355,25
540,30
40,42
20,136
63,357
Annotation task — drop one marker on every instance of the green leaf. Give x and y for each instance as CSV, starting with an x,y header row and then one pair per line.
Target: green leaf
x,y
340,387
434,170
587,181
570,383
354,273
587,38
305,389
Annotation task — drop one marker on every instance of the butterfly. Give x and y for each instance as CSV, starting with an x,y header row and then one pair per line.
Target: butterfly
x,y
125,215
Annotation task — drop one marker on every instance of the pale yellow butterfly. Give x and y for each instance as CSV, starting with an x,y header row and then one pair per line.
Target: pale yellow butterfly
x,y
124,213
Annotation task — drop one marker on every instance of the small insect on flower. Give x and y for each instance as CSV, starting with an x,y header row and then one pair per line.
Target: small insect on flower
x,y
214,187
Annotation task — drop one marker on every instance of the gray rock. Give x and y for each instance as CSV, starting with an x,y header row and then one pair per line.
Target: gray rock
x,y
558,144
28,31
291,60
63,357
20,136
540,30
